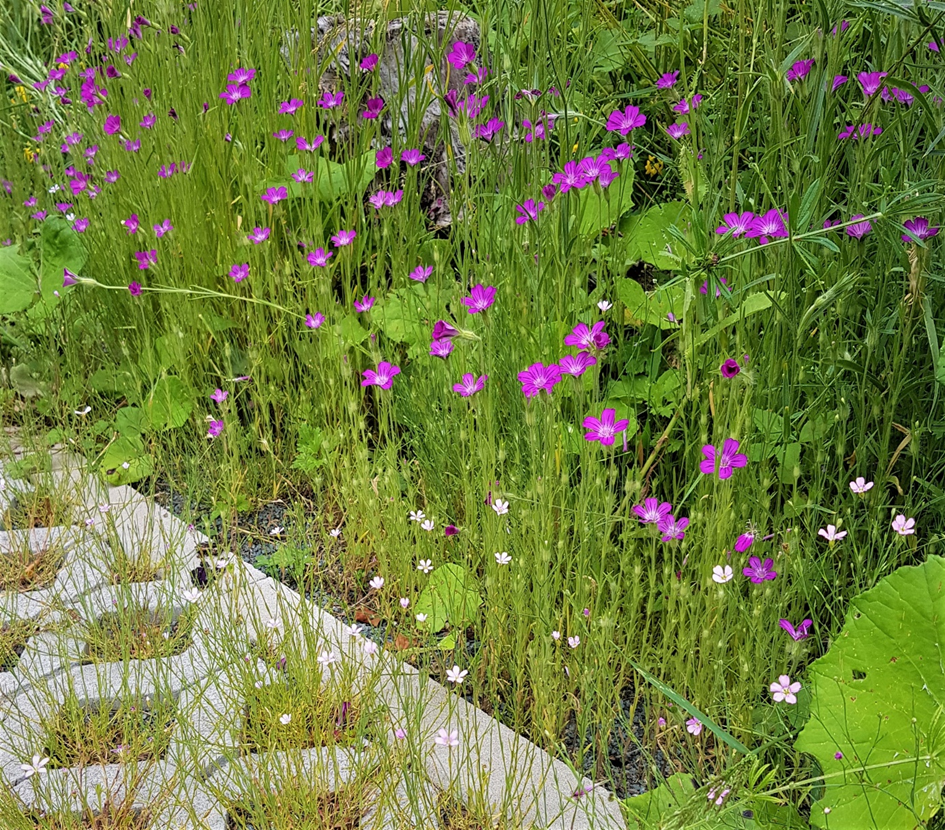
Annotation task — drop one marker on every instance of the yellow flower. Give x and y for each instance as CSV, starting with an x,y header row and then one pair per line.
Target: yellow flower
x,y
21,92
654,166
28,153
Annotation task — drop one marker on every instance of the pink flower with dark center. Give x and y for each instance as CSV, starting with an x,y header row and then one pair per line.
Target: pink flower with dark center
x,y
730,368
538,377
758,571
373,108
239,272
576,365
799,633
383,377
737,224
481,297
470,385
918,229
461,54
624,122
343,238
728,459
652,511
319,259
604,429
489,130
673,529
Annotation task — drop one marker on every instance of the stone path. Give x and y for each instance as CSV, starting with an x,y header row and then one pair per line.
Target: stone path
x,y
491,768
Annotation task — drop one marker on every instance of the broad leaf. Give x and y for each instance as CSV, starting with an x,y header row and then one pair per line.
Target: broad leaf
x,y
17,283
878,699
662,308
600,209
60,248
125,461
451,596
649,236
169,404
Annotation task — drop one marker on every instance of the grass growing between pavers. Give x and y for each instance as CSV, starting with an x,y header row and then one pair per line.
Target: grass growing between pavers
x,y
137,632
13,639
300,804
28,566
39,507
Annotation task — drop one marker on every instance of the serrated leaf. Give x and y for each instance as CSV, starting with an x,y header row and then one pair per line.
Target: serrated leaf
x,y
878,697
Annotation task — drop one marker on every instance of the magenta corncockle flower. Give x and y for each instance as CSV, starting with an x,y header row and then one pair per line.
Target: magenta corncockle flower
x,y
831,223
489,130
528,210
800,70
730,368
330,100
369,63
548,191
421,273
314,321
283,135
441,348
844,25
131,224
343,238
163,228
461,54
132,146
744,541
860,229
215,429
112,176
934,47
767,226
364,304
604,429
624,122
412,157
677,131
80,225
319,258
570,177
68,278
585,337
871,82
241,75
758,571
291,106
480,298
166,171
134,289
470,385
309,146
63,207
373,108
918,229
838,81
737,224
219,395
594,166
472,105
686,106
383,377
673,529
900,95
258,235
667,80
539,130
450,530
384,158
802,632
148,121
39,215
385,198
855,132
443,330
303,176
652,511
146,258
538,377
239,272
235,92
477,76
112,124
727,459
576,365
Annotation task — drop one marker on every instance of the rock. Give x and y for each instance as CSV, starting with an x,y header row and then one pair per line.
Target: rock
x,y
405,59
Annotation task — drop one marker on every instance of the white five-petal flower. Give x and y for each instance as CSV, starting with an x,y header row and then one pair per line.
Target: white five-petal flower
x,y
503,558
500,507
722,574
785,690
456,674
38,765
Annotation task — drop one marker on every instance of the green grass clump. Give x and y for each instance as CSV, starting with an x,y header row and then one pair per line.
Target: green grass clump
x,y
28,569
137,633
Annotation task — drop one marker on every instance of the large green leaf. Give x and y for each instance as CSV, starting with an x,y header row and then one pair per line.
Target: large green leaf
x,y
169,404
399,316
125,461
451,596
877,698
17,283
662,308
649,236
332,180
600,209
60,248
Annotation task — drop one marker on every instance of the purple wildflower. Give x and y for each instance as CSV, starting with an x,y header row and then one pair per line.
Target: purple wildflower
x,y
443,330
855,132
412,157
131,224
677,131
576,365
767,226
314,321
470,385
673,529
652,511
538,377
373,108
481,297
730,368
303,176
330,100
258,235
283,135
918,229
215,429
728,458
164,228
441,348
800,70
239,272
838,81
684,107
369,63
870,82
421,273
68,278
571,176
112,124
744,541
588,338
383,377
802,632
489,130
860,229
624,122
134,289
291,106
309,146
528,210
343,238
461,54
235,92
384,157
146,258
667,80
758,571
604,429
736,223
319,258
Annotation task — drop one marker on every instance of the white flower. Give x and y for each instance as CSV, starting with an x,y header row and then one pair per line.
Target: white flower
x,y
275,531
191,594
694,726
722,574
860,485
104,508
555,635
903,526
427,525
377,583
785,690
446,738
425,565
455,674
831,534
84,411
220,562
417,515
404,602
258,684
370,647
500,507
335,532
574,642
275,624
603,305
285,719
326,658
38,765
421,618
354,630
503,558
